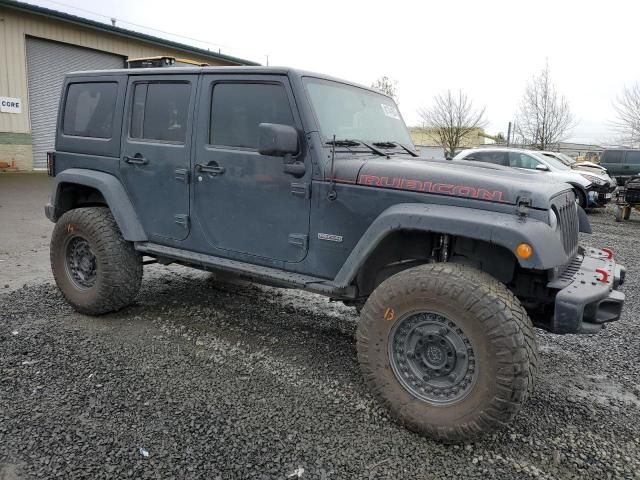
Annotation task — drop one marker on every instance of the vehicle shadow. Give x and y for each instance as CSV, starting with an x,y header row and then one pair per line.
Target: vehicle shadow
x,y
297,327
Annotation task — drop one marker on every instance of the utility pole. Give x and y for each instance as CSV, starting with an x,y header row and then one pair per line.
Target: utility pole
x,y
509,135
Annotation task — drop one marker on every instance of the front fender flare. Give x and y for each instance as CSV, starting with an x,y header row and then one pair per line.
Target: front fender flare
x,y
113,192
506,230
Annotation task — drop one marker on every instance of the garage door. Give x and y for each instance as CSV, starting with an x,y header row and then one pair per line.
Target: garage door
x,y
47,63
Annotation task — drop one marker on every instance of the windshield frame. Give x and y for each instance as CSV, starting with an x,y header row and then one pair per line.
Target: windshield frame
x,y
328,137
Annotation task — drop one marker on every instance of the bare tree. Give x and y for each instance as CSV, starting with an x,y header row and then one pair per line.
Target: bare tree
x,y
627,107
544,118
387,86
452,118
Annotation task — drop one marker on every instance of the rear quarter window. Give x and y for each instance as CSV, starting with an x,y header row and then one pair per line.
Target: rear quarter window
x,y
89,109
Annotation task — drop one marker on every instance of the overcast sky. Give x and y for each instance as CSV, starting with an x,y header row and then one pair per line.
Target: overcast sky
x,y
488,48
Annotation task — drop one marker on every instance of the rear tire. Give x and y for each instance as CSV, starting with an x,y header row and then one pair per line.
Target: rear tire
x,y
95,268
448,350
627,213
617,212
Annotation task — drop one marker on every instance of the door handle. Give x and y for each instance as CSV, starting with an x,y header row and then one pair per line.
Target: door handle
x,y
212,169
137,159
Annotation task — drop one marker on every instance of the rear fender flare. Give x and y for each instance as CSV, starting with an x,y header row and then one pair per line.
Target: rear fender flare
x,y
113,192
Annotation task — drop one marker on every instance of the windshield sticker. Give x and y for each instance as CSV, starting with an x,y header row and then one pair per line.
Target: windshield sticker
x,y
390,111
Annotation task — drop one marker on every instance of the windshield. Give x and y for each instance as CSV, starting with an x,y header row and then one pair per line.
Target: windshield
x,y
553,162
563,157
566,158
352,113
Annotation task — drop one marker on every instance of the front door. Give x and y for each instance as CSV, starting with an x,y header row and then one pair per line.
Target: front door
x,y
156,146
244,202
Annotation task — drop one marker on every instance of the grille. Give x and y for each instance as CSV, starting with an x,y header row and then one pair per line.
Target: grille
x,y
567,212
632,190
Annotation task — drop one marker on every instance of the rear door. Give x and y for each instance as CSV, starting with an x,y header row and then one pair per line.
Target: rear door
x,y
497,158
156,149
632,162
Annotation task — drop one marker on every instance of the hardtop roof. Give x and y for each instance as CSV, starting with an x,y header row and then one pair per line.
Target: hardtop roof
x,y
227,70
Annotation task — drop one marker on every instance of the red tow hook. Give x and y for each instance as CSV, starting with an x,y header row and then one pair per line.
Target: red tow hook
x,y
608,251
605,275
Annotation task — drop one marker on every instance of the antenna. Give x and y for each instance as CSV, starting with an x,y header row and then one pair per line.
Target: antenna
x,y
332,195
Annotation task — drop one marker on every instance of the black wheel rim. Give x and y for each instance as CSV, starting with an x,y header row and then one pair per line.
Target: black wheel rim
x,y
432,358
80,262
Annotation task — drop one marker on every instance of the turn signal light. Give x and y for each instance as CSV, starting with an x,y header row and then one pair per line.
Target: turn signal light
x,y
524,250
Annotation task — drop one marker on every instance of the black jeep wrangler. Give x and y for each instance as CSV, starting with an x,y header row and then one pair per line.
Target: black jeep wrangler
x,y
303,181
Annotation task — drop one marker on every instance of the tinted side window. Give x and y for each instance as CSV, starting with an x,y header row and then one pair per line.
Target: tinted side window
x,y
633,157
522,160
497,158
612,156
160,111
237,110
89,109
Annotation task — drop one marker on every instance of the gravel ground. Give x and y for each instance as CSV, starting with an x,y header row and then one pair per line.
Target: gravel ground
x,y
205,378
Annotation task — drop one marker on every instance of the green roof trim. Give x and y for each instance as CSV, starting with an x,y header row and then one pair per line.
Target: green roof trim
x,y
85,22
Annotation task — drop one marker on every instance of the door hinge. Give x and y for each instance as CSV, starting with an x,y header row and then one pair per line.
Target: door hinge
x,y
298,240
301,190
183,220
182,175
523,206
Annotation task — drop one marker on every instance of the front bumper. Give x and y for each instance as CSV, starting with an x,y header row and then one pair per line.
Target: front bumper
x,y
587,293
600,196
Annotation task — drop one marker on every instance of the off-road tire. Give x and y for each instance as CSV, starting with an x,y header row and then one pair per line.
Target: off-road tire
x,y
494,322
618,213
118,267
581,198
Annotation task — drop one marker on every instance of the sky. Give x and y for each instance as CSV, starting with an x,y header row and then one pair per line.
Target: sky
x,y
490,49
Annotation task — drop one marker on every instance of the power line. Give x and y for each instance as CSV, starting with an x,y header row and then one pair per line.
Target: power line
x,y
110,18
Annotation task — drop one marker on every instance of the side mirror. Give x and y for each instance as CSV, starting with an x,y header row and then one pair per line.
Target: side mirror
x,y
542,167
277,140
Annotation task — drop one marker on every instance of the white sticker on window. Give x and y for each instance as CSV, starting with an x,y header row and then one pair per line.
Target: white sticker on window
x,y
390,111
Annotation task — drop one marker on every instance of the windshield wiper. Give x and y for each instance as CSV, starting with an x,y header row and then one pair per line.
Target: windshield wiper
x,y
347,142
389,144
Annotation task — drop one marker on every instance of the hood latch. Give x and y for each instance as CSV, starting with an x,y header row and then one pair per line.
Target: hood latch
x,y
523,206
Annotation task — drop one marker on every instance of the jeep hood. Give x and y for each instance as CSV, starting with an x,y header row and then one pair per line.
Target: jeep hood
x,y
480,181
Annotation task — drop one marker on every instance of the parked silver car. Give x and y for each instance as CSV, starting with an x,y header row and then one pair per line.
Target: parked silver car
x,y
573,163
585,184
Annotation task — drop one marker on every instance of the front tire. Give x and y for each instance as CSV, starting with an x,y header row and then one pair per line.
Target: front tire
x,y
581,198
448,350
95,268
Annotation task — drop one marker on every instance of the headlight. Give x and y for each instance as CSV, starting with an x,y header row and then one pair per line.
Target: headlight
x,y
553,219
593,179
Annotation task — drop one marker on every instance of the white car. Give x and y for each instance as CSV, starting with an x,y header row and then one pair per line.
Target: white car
x,y
586,184
571,162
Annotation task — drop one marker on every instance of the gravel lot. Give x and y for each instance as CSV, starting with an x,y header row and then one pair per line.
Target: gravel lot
x,y
205,378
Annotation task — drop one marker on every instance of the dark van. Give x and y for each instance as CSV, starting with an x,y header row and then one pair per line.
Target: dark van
x,y
621,163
